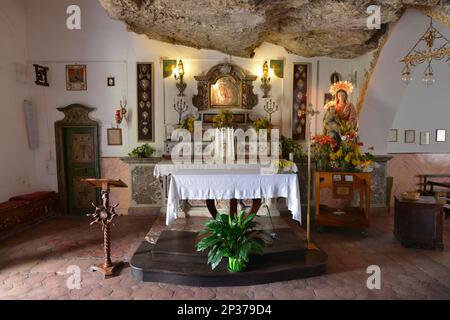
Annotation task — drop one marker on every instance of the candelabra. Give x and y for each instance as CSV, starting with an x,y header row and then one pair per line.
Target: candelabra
x,y
270,107
181,107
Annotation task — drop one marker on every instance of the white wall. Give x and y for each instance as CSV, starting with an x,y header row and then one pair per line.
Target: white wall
x,y
108,49
391,104
16,160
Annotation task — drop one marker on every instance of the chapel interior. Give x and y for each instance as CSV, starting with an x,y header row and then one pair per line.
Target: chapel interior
x,y
224,150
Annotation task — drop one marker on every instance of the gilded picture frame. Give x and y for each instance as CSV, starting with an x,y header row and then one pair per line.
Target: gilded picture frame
x,y
76,77
225,93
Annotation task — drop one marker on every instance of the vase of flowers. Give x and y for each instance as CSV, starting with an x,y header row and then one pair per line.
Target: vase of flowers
x,y
341,153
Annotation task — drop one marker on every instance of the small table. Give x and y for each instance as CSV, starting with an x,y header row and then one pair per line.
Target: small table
x,y
419,223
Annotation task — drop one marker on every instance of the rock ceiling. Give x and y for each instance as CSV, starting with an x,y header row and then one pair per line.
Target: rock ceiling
x,y
304,27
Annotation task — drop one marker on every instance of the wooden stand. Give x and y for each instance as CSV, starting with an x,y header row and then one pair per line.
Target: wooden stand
x,y
105,215
345,185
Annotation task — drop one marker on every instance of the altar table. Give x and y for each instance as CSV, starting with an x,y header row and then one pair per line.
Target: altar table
x,y
229,184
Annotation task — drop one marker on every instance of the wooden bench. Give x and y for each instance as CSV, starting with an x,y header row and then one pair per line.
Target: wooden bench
x,y
23,211
429,187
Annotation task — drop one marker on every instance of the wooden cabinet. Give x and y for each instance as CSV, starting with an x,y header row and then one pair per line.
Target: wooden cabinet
x,y
354,186
419,223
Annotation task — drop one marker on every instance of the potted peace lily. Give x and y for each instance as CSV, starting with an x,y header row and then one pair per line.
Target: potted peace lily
x,y
234,238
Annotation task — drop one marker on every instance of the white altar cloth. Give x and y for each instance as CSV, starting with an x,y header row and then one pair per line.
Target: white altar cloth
x,y
166,168
192,184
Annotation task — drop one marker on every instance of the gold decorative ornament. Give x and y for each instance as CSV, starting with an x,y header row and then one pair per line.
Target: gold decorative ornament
x,y
437,47
341,85
265,81
181,85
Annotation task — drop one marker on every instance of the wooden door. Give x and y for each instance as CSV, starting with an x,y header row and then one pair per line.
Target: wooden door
x,y
81,163
78,157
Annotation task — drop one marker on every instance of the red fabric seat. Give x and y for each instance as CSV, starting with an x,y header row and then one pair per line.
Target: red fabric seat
x,y
34,196
11,205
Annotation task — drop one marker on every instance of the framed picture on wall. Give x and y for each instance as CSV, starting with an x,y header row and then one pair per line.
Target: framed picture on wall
x,y
424,137
145,102
76,77
410,136
393,135
441,135
115,137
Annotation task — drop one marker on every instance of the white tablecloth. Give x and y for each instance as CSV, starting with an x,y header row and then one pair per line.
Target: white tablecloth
x,y
166,168
228,184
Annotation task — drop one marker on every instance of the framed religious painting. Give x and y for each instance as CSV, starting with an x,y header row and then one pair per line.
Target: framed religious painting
x,y
441,135
410,136
300,99
393,135
145,102
115,137
226,92
76,77
424,138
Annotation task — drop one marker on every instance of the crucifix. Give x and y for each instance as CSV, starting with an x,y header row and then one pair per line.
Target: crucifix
x,y
310,112
104,215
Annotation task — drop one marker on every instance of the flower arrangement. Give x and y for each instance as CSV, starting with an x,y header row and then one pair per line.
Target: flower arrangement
x,y
283,166
261,124
144,151
223,120
342,153
188,124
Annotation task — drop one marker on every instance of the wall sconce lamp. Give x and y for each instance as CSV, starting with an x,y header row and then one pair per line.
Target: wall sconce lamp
x,y
181,85
265,81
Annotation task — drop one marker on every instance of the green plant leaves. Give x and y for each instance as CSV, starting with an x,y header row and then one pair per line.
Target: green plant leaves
x,y
144,151
232,237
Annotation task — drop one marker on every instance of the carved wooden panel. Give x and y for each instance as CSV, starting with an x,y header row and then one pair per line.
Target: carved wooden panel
x,y
145,101
83,148
83,194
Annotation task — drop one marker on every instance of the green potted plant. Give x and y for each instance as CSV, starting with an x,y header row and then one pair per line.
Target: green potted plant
x,y
234,238
144,151
288,146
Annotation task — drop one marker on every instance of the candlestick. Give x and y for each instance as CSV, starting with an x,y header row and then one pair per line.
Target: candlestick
x,y
270,107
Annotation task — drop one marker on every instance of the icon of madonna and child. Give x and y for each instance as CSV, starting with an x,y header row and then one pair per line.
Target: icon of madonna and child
x,y
339,148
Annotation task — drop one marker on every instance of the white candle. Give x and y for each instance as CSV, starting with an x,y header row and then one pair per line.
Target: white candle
x,y
291,156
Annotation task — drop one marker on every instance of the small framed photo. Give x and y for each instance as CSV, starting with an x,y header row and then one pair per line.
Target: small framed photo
x,y
441,135
393,135
349,178
425,138
76,78
410,136
111,82
115,137
337,177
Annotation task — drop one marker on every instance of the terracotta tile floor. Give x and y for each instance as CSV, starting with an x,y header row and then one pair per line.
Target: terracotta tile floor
x,y
33,265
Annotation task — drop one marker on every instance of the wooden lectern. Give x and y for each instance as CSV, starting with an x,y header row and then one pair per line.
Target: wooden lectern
x,y
104,215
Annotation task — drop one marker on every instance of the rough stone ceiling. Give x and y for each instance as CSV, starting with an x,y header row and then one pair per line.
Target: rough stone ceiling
x,y
304,27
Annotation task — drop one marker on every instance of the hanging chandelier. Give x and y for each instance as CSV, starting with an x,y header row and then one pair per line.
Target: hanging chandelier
x,y
431,46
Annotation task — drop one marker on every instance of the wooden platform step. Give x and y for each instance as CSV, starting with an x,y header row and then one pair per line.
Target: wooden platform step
x,y
286,259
